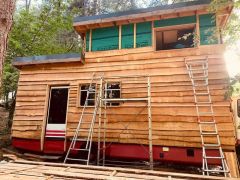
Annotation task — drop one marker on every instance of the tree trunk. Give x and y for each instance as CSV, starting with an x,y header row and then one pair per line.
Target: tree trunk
x,y
6,18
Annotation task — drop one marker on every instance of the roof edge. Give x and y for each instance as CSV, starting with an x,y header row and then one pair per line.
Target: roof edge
x,y
140,12
47,59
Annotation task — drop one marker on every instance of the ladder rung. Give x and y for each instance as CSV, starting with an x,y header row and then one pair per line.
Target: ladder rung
x,y
213,157
211,145
207,122
199,61
201,94
197,102
209,133
198,69
205,112
200,85
221,171
77,149
74,159
81,140
199,78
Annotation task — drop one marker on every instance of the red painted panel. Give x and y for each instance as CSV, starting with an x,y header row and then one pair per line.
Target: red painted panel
x,y
126,151
54,146
27,144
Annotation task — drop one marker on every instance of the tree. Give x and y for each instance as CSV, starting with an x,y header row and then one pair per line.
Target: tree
x,y
6,17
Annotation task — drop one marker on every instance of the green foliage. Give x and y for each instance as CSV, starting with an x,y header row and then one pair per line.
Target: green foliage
x,y
42,30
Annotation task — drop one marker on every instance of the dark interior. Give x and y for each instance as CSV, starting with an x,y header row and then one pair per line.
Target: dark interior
x,y
58,106
175,39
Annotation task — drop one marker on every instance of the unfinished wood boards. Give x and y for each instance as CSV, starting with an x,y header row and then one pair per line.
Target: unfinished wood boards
x,y
174,118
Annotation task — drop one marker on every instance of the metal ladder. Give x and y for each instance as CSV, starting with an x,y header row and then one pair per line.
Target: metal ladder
x,y
198,73
89,129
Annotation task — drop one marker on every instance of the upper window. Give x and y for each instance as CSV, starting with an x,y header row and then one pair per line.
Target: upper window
x,y
113,91
175,38
238,107
83,95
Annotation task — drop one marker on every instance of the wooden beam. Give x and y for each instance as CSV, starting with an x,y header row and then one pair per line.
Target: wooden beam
x,y
134,35
44,122
198,30
120,37
90,40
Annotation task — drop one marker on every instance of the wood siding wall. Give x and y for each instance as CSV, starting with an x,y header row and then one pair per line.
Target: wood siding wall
x,y
173,110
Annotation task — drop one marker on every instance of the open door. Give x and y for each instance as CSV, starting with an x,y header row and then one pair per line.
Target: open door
x,y
55,134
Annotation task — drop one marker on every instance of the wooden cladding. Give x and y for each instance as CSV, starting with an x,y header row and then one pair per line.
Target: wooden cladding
x,y
174,118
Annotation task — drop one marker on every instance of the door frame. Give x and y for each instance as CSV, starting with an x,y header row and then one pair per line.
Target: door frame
x,y
46,111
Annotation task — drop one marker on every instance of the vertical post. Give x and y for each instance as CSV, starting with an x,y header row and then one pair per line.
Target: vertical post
x,y
153,36
90,40
105,123
120,37
134,35
47,100
197,31
150,124
99,120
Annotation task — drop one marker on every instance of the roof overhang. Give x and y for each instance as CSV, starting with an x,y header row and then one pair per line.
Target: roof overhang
x,y
47,59
82,24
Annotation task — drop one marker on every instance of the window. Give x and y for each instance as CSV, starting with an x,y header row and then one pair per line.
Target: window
x,y
83,95
238,107
175,38
113,91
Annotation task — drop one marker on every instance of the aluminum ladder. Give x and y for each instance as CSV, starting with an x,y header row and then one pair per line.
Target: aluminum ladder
x,y
198,73
89,129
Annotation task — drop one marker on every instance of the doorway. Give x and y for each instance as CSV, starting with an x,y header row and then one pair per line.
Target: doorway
x,y
55,134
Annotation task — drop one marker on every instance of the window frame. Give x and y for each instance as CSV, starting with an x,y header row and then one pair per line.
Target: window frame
x,y
80,94
109,104
171,28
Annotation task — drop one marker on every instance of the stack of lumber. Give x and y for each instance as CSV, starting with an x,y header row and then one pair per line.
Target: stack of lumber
x,y
40,170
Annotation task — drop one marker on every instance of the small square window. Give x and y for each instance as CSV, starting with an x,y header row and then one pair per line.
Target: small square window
x,y
84,89
113,91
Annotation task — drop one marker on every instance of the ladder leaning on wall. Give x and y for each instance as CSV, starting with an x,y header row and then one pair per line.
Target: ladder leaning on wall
x,y
88,127
101,102
198,73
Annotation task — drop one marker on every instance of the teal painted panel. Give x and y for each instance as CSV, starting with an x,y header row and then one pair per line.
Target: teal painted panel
x,y
207,20
175,21
105,38
207,29
144,34
87,41
127,36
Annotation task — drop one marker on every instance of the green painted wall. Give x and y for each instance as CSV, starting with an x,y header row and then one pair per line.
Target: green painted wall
x,y
175,21
108,38
144,34
207,29
105,38
127,36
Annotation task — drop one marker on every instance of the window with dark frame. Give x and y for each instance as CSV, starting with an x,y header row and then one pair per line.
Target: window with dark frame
x,y
84,88
113,91
175,38
238,107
